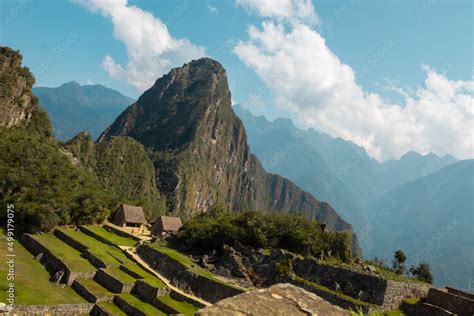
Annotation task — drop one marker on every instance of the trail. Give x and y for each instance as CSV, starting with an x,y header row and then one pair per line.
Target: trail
x,y
131,251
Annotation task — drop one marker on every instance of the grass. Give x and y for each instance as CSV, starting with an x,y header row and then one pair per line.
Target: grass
x,y
66,253
110,255
181,306
190,264
144,275
120,275
338,293
148,309
30,276
110,236
411,300
112,309
95,287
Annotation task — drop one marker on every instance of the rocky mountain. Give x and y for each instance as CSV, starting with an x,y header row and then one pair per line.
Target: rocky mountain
x,y
200,152
74,108
431,219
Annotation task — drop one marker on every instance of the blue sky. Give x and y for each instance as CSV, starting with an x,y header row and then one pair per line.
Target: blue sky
x,y
383,42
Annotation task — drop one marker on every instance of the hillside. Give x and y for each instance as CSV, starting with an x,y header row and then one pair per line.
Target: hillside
x,y
74,108
432,222
200,151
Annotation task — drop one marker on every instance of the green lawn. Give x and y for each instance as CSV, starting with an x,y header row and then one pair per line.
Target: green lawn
x,y
181,306
148,309
94,287
32,284
145,275
120,275
110,236
110,255
111,308
66,253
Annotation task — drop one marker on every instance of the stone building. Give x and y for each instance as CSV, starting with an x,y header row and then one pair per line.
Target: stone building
x,y
166,224
129,216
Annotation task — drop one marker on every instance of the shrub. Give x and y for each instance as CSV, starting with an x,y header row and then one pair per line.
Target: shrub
x,y
264,230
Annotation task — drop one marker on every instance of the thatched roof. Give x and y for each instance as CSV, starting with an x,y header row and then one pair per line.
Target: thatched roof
x,y
133,214
170,224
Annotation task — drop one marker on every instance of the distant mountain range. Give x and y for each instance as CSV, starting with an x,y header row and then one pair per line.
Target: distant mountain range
x,y
74,108
399,204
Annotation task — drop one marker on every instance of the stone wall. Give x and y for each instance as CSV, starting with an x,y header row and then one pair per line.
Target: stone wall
x,y
333,298
396,292
205,288
60,309
364,286
127,308
111,283
149,294
451,302
88,295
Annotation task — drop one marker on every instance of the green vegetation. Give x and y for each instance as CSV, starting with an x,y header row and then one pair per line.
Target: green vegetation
x,y
110,236
120,275
144,275
293,232
95,287
123,168
148,309
110,255
30,276
182,307
411,300
66,253
188,263
333,292
399,262
111,308
422,272
45,187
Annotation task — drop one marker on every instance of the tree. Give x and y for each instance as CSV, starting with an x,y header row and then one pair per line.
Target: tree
x,y
422,272
399,262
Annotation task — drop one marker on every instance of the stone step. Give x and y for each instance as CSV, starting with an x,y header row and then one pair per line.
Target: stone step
x,y
432,310
460,293
451,302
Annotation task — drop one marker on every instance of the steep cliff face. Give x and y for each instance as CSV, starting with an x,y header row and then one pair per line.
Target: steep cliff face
x,y
17,102
200,151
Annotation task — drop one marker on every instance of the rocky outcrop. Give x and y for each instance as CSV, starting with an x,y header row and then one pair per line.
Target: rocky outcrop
x,y
280,299
200,151
17,102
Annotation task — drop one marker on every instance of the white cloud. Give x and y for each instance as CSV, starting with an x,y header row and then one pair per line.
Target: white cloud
x,y
89,82
283,10
151,49
212,9
312,84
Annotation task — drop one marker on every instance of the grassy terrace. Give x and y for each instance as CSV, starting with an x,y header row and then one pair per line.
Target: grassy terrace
x,y
338,293
180,306
94,287
30,276
144,275
108,254
110,236
111,308
148,309
188,263
120,275
69,255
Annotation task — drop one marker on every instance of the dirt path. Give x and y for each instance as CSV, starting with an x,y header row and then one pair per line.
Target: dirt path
x,y
131,251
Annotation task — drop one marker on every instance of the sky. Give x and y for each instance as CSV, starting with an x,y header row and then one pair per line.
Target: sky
x,y
391,76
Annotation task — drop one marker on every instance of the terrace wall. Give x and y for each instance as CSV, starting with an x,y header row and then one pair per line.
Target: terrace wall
x,y
209,290
52,263
60,309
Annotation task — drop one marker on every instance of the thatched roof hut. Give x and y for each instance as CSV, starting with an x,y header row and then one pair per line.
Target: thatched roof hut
x,y
129,215
166,224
